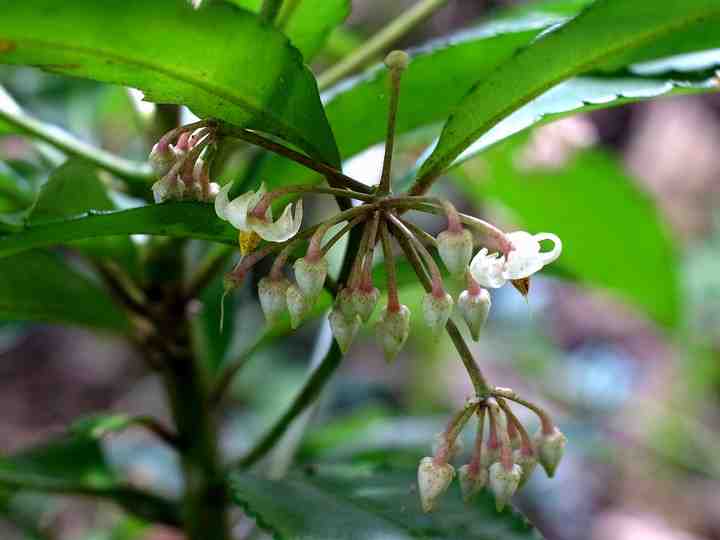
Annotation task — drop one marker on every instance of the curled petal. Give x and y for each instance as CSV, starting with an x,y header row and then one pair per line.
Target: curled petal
x,y
286,226
222,201
524,259
487,270
236,212
552,255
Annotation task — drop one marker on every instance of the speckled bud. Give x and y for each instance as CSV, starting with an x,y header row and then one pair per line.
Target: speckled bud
x,y
474,308
365,301
310,276
433,480
345,302
455,249
527,462
343,328
437,311
503,483
471,481
273,297
550,449
298,305
393,329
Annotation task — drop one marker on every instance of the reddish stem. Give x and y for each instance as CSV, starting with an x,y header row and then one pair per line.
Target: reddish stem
x,y
473,287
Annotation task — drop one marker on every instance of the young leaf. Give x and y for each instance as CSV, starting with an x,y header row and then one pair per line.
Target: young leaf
x,y
348,505
221,61
605,30
307,23
629,253
176,219
39,286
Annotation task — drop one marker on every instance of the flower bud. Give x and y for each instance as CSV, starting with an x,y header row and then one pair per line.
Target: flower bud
x,y
397,60
503,483
472,481
168,188
365,300
343,328
161,158
550,449
527,462
455,249
393,329
474,308
455,450
436,311
298,305
310,276
273,297
433,480
345,302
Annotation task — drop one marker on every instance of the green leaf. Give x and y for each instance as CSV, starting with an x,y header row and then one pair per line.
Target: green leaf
x,y
15,194
307,23
176,219
39,286
627,251
75,463
607,29
221,61
73,189
353,503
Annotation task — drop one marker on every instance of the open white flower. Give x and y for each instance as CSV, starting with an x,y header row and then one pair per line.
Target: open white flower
x,y
239,213
526,258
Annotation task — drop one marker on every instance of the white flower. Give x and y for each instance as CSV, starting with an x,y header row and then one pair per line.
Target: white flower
x,y
239,213
525,258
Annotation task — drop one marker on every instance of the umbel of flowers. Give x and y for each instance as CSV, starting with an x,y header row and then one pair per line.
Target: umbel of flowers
x,y
474,250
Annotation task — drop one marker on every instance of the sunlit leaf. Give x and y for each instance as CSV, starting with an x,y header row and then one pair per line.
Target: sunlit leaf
x,y
221,61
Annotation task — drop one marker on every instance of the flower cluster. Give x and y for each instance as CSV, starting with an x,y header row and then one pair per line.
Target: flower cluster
x,y
376,221
181,158
503,456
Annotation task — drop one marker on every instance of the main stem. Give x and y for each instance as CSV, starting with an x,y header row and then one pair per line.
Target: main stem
x,y
169,349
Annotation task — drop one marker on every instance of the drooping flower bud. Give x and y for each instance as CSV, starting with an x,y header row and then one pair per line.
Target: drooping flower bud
x,y
343,328
472,481
310,275
298,305
273,297
475,308
168,188
162,158
503,483
455,449
345,302
550,449
393,329
433,480
455,249
527,462
437,310
365,299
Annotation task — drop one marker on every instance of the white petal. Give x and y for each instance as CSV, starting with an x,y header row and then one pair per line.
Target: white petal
x,y
522,264
237,210
524,242
552,255
487,269
281,230
221,201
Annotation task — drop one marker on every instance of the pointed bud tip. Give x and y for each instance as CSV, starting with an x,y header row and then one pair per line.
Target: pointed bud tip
x,y
393,329
437,311
455,249
433,480
310,275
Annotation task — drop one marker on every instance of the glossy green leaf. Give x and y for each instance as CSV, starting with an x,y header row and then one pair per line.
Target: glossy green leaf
x,y
74,189
627,251
221,61
39,286
176,219
352,503
606,29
